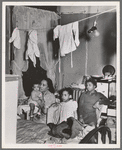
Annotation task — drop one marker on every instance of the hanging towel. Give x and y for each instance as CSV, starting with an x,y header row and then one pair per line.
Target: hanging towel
x,y
15,38
68,37
33,50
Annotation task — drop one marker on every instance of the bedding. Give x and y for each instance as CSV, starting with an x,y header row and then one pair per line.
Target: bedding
x,y
31,132
39,133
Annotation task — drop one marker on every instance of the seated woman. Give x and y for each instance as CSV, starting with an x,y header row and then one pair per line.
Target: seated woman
x,y
86,110
60,112
46,100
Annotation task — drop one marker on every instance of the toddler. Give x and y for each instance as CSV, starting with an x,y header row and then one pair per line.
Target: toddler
x,y
60,112
34,100
86,110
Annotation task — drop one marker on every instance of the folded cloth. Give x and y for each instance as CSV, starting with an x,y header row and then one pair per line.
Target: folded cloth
x,y
15,38
53,113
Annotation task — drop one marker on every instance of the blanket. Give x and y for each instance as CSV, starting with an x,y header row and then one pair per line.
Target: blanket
x,y
31,132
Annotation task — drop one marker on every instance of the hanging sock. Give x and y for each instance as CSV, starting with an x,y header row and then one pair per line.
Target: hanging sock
x,y
33,50
15,38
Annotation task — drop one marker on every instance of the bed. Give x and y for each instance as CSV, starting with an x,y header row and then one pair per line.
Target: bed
x,y
32,132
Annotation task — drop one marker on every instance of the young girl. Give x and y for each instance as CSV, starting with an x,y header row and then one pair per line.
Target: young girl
x,y
60,112
86,111
34,100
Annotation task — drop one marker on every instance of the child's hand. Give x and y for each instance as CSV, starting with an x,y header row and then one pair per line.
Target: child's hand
x,y
57,100
40,96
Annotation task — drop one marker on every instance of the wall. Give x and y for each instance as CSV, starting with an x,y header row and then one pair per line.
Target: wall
x,y
101,49
84,9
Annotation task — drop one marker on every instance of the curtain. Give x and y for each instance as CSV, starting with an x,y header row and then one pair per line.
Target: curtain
x,y
43,21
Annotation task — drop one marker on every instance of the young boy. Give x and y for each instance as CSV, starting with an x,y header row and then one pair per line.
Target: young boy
x,y
34,100
86,111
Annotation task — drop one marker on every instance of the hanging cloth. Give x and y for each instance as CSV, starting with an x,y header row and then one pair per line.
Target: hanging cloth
x,y
15,38
68,39
33,50
65,33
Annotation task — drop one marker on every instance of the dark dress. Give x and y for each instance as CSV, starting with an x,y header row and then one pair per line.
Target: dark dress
x,y
85,107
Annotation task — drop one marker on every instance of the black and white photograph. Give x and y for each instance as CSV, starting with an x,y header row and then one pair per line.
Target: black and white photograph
x,y
61,74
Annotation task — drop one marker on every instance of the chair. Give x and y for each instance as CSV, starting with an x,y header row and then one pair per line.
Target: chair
x,y
101,130
76,93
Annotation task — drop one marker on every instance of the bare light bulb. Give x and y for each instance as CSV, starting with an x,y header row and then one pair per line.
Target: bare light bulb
x,y
96,33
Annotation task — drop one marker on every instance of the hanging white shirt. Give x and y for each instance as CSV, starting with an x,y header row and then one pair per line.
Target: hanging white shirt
x,y
15,38
33,50
68,43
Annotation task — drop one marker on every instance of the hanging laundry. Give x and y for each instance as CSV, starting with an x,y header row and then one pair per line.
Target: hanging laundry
x,y
76,33
32,50
15,38
68,37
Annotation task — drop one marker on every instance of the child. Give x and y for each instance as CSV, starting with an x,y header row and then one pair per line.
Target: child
x,y
34,100
60,112
86,111
68,105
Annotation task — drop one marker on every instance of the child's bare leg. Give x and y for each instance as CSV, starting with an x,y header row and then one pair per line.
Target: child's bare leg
x,y
32,107
39,112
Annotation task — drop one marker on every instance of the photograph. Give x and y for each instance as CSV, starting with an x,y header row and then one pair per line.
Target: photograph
x,y
61,74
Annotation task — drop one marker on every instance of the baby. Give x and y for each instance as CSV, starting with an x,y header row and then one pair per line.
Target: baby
x,y
34,100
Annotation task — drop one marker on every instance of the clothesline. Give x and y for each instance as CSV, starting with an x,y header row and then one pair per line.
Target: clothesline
x,y
97,14
74,21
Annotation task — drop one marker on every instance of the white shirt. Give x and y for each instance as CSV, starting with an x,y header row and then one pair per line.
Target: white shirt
x,y
68,109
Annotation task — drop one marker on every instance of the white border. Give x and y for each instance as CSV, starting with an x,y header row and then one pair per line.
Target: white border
x,y
96,3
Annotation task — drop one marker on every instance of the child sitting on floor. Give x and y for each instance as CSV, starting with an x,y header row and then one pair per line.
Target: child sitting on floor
x,y
60,112
86,110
